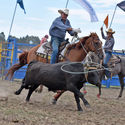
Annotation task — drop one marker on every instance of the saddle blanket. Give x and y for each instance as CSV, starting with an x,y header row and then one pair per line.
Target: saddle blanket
x,y
41,50
45,48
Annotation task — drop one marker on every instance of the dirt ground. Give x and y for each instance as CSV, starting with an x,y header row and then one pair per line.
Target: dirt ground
x,y
106,110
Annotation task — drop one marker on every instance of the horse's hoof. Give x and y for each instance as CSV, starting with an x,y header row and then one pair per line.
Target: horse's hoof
x,y
85,92
38,91
54,101
98,95
118,97
16,93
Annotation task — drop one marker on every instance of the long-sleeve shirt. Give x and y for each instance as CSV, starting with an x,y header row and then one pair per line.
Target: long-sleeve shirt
x,y
58,28
109,43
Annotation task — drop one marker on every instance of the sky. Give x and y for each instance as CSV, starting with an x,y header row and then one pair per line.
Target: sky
x,y
41,13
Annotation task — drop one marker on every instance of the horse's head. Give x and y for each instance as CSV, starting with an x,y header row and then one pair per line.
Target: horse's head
x,y
93,44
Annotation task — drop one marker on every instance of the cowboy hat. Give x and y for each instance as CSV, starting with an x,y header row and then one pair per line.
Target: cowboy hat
x,y
110,31
65,11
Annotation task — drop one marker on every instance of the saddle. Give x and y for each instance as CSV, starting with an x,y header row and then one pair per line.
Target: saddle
x,y
45,49
113,61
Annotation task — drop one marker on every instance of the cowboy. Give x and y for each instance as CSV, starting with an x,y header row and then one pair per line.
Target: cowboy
x,y
58,30
108,47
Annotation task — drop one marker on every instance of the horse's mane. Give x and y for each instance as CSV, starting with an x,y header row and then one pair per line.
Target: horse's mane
x,y
78,44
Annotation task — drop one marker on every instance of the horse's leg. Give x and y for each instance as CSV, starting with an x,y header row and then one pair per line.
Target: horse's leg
x,y
31,91
121,79
84,89
60,92
99,94
56,97
40,89
47,58
21,88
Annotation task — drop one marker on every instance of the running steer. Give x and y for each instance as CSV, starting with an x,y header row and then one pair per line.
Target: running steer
x,y
51,76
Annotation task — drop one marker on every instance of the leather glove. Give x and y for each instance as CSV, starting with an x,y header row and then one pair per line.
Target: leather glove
x,y
75,33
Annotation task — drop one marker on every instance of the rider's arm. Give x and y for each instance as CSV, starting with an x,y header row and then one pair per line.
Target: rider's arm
x,y
59,24
103,36
70,30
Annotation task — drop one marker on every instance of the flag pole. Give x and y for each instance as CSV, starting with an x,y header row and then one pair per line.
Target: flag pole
x,y
67,3
113,16
103,24
12,19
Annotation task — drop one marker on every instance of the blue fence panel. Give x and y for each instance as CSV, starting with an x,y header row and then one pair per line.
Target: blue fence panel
x,y
19,74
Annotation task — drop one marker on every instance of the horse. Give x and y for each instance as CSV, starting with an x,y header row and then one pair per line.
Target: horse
x,y
117,67
75,52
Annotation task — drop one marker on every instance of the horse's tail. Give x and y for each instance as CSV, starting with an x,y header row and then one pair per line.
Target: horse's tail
x,y
22,62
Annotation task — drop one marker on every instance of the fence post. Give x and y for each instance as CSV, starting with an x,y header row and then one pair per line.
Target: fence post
x,y
108,83
14,51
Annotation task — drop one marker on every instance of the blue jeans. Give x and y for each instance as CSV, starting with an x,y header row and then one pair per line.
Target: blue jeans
x,y
105,62
55,42
107,57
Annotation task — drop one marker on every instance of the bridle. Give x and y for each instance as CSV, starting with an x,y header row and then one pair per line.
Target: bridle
x,y
92,43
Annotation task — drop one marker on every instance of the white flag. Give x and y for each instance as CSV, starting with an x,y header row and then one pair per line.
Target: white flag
x,y
86,5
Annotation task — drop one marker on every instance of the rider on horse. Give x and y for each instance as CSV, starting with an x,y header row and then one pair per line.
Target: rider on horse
x,y
57,32
108,47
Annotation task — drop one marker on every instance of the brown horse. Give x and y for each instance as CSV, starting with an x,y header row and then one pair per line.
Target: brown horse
x,y
75,52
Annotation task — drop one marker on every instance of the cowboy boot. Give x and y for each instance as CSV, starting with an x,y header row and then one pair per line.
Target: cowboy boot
x,y
107,72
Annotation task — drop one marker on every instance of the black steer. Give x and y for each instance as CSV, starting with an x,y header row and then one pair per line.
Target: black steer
x,y
51,76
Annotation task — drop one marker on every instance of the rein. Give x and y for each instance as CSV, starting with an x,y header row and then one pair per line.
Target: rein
x,y
85,50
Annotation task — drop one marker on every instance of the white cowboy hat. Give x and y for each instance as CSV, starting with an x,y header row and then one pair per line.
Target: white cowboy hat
x,y
110,31
66,11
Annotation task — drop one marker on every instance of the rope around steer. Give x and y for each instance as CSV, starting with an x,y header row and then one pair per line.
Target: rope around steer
x,y
86,69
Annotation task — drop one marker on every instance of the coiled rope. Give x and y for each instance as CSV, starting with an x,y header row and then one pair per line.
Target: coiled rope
x,y
88,66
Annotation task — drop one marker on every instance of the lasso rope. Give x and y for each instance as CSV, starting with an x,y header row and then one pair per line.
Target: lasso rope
x,y
94,69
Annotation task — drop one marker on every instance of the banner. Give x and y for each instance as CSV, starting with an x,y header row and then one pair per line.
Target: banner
x,y
121,5
106,21
20,2
86,5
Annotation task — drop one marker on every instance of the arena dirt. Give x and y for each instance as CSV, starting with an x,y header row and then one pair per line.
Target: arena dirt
x,y
106,110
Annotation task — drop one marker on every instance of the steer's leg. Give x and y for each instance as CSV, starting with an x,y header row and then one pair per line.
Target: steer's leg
x,y
77,92
21,88
78,102
31,91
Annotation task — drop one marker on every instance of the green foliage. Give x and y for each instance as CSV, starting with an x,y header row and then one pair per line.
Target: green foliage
x,y
2,37
27,39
